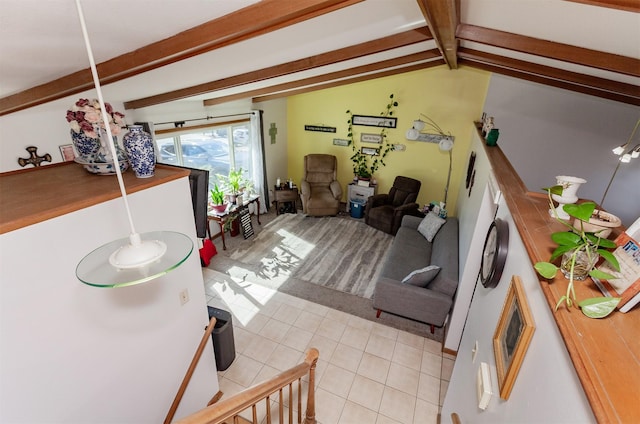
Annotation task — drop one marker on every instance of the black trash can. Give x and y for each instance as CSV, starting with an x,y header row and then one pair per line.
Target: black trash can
x,y
222,338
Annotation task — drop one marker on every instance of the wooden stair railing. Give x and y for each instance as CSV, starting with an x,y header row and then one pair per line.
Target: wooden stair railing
x,y
228,410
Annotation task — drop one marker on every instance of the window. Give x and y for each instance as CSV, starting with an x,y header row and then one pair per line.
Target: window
x,y
216,148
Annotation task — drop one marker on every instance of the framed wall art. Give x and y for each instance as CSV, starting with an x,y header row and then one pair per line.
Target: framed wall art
x,y
371,138
374,121
512,336
369,151
67,152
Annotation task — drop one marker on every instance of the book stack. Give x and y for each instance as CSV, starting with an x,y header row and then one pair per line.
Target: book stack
x,y
626,285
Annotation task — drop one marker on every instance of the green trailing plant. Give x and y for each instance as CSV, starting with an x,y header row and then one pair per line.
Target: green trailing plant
x,y
365,165
217,195
573,244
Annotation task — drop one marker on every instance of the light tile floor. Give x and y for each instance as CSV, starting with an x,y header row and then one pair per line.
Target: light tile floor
x,y
366,372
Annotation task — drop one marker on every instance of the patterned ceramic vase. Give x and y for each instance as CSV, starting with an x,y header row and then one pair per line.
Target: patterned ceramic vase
x,y
86,147
139,147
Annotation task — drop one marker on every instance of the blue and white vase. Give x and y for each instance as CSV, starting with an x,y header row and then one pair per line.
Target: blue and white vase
x,y
86,146
139,147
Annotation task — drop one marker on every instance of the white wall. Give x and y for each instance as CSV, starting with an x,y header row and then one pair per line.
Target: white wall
x,y
75,353
547,389
475,213
547,131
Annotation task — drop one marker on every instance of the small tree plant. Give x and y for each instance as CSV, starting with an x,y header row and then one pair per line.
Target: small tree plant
x,y
575,243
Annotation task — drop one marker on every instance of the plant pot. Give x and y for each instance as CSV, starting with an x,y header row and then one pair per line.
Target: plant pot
x,y
235,227
601,223
219,208
582,264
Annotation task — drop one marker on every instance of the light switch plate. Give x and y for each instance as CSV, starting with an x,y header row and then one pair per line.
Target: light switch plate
x,y
483,385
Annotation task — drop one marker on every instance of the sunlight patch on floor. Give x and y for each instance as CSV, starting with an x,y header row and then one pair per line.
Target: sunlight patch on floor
x,y
295,245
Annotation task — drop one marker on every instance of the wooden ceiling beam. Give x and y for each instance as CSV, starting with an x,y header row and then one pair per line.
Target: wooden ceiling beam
x,y
443,17
257,19
353,80
549,49
312,81
595,86
352,52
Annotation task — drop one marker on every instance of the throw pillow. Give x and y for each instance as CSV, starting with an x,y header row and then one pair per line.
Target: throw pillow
x,y
422,277
430,225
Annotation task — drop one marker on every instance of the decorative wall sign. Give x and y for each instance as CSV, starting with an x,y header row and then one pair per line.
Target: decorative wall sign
x,y
319,128
371,138
433,138
374,121
369,151
512,336
341,142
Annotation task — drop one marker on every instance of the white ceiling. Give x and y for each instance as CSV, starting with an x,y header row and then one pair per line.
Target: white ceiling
x,y
40,40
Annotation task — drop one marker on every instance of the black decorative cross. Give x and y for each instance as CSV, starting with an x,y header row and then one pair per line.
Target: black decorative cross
x,y
34,159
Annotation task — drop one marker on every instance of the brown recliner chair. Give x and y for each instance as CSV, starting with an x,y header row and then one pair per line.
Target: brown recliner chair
x,y
385,211
320,191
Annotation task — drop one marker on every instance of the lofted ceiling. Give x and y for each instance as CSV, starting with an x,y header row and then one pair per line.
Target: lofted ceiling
x,y
226,50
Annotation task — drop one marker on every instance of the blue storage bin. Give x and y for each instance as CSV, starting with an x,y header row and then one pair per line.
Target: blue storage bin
x,y
356,208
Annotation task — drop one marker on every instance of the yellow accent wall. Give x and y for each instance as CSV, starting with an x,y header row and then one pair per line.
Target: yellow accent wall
x,y
452,98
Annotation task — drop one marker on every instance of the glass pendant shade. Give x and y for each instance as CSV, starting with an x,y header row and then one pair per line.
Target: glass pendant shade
x,y
96,269
618,150
140,257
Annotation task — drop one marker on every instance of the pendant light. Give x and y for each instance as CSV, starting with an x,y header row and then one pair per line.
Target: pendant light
x,y
140,257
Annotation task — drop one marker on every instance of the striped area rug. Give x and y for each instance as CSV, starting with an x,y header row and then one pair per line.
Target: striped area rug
x,y
340,254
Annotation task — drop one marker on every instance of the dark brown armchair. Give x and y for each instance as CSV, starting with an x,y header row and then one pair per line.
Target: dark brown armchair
x,y
320,191
385,211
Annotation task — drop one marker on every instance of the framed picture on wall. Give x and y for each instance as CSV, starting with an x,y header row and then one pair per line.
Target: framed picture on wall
x,y
512,336
369,151
371,138
374,121
67,152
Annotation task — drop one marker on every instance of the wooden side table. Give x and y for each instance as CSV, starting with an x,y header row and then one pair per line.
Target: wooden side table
x,y
230,214
286,195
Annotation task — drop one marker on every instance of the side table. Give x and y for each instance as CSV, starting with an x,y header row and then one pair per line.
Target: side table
x,y
286,195
230,214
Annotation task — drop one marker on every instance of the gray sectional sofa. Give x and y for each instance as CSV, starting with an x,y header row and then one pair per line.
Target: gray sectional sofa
x,y
411,251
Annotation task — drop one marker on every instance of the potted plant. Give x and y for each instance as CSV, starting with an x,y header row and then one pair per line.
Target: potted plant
x,y
217,199
233,183
365,165
580,251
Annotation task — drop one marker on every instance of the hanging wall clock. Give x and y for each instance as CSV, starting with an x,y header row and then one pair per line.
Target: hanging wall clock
x,y
494,253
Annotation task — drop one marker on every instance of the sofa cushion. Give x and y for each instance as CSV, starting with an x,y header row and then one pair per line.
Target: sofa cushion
x,y
422,277
430,225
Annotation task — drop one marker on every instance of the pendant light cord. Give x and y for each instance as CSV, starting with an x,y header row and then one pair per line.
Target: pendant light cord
x,y
105,118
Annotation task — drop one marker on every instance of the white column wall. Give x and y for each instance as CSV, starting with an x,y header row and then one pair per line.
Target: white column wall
x,y
75,353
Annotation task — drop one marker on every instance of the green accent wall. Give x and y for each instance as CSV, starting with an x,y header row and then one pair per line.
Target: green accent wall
x,y
452,98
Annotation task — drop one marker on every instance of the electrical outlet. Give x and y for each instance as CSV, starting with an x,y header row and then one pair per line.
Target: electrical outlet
x,y
184,296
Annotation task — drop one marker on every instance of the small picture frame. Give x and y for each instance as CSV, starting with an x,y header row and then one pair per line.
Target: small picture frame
x,y
371,138
512,336
370,151
341,142
67,152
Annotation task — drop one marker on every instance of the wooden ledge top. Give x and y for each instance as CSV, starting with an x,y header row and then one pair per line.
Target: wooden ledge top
x,y
605,352
37,194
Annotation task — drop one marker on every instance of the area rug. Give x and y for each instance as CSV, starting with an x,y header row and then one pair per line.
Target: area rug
x,y
340,254
276,274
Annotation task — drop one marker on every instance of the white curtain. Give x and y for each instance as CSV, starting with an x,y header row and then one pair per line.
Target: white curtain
x,y
257,163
